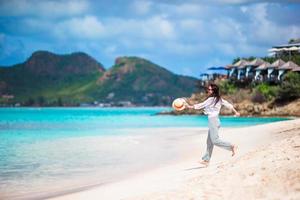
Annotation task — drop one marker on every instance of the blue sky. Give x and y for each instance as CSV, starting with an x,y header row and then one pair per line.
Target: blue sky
x,y
186,37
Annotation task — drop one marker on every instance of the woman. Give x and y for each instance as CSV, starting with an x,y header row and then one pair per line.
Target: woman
x,y
212,106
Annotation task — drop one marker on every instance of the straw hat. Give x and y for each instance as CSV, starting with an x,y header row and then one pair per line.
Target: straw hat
x,y
179,104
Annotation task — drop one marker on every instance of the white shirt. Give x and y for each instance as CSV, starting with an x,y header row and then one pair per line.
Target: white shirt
x,y
210,108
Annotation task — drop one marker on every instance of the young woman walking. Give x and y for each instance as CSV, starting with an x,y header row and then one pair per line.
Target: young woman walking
x,y
212,106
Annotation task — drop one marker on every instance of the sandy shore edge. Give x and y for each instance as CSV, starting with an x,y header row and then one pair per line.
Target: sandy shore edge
x,y
267,166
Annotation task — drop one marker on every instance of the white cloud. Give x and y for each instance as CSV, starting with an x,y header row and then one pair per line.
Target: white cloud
x,y
187,49
228,30
191,25
76,28
88,27
154,28
186,9
265,31
227,49
235,1
189,9
244,9
240,2
141,7
110,49
157,27
36,26
44,8
132,33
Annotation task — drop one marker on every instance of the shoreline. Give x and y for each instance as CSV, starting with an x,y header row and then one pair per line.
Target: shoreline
x,y
170,179
171,112
195,113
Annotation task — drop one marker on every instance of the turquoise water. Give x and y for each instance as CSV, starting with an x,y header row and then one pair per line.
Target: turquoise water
x,y
97,119
43,123
43,149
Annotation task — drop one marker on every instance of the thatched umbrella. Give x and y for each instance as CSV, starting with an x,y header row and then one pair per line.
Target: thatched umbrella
x,y
297,69
252,65
241,64
277,63
288,66
228,67
257,62
261,68
231,69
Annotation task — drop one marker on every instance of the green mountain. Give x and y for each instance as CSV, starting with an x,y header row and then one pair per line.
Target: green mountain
x,y
142,82
48,79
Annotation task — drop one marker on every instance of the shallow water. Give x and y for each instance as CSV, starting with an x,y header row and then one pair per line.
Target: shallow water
x,y
48,150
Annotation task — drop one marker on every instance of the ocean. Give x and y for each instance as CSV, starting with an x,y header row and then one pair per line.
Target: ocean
x,y
49,151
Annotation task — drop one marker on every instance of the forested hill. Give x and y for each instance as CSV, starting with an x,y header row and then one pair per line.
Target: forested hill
x,y
48,79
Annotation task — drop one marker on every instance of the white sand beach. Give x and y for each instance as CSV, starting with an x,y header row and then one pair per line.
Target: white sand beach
x,y
267,166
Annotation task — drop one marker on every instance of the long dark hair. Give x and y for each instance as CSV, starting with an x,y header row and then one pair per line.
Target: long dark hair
x,y
215,92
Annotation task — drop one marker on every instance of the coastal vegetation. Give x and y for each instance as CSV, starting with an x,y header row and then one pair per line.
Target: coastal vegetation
x,y
289,89
286,91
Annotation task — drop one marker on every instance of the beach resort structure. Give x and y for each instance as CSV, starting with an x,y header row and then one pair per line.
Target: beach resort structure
x,y
283,50
259,70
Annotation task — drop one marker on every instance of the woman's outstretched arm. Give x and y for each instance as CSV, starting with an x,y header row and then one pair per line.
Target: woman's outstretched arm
x,y
230,106
198,106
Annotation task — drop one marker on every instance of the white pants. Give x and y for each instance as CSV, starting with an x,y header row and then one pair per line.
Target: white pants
x,y
213,138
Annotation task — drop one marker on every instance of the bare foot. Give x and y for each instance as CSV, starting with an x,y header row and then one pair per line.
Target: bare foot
x,y
204,162
233,149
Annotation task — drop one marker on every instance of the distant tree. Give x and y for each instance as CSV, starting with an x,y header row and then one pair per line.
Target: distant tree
x,y
290,87
294,40
268,91
29,102
59,102
269,59
296,58
236,60
291,41
227,87
41,101
248,59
